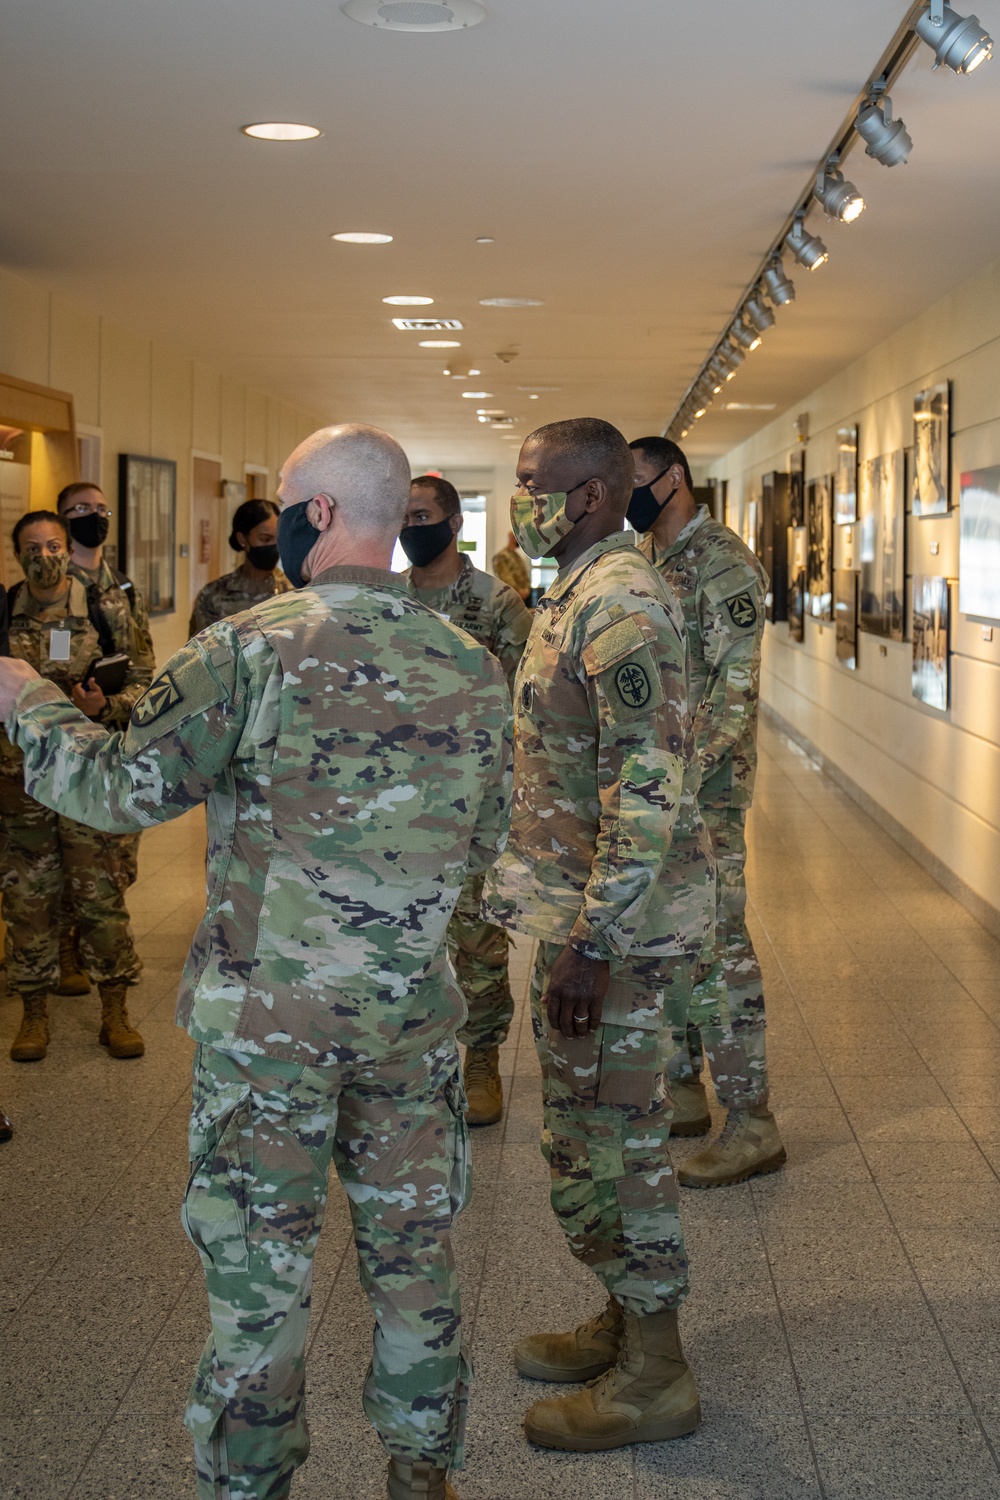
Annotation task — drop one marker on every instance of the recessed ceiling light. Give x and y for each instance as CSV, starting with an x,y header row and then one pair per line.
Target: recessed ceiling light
x,y
534,396
475,372
485,239
440,344
541,388
415,15
748,406
476,395
510,302
281,130
408,301
495,411
362,237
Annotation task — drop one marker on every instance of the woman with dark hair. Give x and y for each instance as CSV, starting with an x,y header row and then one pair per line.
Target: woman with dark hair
x,y
258,577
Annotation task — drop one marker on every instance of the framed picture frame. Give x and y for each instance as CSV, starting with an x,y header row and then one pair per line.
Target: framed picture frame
x,y
882,546
797,553
931,616
797,486
931,484
819,548
845,481
845,616
147,528
979,544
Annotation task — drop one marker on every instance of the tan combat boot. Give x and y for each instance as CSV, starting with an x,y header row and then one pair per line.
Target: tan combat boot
x,y
691,1114
418,1482
649,1396
583,1354
32,1040
117,1032
72,979
749,1145
482,1085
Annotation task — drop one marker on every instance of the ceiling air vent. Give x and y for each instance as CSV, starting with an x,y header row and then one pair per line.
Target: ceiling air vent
x,y
426,325
416,15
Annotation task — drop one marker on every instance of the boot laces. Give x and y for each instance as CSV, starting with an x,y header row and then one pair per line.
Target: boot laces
x,y
736,1121
478,1068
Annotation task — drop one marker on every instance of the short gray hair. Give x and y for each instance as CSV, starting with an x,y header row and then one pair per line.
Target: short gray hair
x,y
361,467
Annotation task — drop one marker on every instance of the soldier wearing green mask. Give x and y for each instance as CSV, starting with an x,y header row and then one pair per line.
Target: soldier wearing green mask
x,y
608,866
447,582
48,855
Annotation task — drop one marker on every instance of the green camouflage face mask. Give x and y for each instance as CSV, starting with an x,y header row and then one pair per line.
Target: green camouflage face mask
x,y
539,522
45,569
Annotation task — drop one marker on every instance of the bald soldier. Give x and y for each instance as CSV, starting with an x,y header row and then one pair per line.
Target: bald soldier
x,y
720,586
608,866
352,748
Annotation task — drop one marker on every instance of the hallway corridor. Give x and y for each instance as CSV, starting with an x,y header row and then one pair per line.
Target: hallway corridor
x,y
843,1323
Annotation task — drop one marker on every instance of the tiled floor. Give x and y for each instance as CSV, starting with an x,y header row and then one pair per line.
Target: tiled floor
x,y
844,1316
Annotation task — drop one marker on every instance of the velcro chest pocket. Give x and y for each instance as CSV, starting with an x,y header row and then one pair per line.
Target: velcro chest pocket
x,y
622,658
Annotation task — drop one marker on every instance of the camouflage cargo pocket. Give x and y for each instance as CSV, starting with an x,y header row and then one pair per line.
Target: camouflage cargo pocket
x,y
216,1211
458,1147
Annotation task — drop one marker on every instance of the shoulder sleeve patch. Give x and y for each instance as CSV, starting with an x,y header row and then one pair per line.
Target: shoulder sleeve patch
x,y
742,610
159,699
193,683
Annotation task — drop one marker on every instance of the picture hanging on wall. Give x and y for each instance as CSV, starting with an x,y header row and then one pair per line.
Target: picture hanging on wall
x,y
797,486
147,518
881,551
819,540
931,450
979,544
797,583
930,640
846,478
845,616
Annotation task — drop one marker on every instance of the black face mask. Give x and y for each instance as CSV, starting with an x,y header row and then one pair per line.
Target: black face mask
x,y
90,530
297,536
644,508
264,558
422,544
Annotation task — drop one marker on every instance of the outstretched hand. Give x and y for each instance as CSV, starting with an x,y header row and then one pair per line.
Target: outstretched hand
x,y
575,997
13,676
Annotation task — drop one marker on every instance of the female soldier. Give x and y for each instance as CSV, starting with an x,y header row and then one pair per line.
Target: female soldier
x,y
50,626
254,533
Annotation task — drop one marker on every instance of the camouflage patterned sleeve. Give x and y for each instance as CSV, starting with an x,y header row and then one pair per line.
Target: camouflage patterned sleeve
x,y
492,824
181,736
637,686
140,674
145,657
511,627
732,613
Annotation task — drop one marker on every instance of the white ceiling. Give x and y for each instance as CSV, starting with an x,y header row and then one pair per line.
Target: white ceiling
x,y
632,159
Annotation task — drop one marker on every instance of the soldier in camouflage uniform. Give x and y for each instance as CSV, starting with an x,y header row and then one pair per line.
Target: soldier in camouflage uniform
x,y
354,751
721,587
85,511
608,865
510,567
446,582
48,854
258,577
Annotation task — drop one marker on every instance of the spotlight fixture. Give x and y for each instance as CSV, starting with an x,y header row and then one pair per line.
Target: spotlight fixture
x,y
776,283
888,140
717,371
808,249
959,42
734,357
760,315
841,200
746,338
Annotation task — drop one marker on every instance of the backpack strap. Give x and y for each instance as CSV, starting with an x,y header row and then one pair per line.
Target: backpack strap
x,y
99,622
127,587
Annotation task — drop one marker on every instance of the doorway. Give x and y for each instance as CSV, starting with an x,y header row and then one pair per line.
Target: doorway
x,y
207,521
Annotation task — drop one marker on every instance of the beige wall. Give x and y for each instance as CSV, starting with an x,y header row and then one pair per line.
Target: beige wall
x,y
937,775
149,399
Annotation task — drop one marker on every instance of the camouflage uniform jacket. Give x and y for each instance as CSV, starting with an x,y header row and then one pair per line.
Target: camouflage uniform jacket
x,y
354,752
605,776
31,625
233,593
113,596
721,586
511,569
490,611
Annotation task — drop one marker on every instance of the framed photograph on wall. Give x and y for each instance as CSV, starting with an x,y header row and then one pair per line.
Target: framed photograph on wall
x,y
819,548
797,486
797,583
881,546
845,616
931,623
845,481
931,451
979,544
147,527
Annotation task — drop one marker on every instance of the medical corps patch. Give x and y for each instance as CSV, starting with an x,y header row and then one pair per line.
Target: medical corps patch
x,y
158,700
633,684
742,610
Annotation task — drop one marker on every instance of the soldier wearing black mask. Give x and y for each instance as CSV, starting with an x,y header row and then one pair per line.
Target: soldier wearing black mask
x,y
258,577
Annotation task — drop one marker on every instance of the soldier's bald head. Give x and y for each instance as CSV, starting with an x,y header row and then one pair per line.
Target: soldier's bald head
x,y
595,448
362,468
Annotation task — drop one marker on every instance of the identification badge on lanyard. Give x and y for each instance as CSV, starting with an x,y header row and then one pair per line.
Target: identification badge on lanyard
x,y
59,645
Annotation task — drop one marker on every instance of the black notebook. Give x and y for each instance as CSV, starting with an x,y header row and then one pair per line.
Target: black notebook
x,y
109,673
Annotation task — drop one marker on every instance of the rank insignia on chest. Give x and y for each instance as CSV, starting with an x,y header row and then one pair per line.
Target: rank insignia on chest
x,y
742,610
160,698
632,683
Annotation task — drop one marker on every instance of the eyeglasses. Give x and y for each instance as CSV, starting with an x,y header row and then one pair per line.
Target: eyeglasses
x,y
88,510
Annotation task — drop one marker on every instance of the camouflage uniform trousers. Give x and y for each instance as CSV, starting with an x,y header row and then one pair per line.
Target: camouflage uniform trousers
x,y
46,855
479,952
606,1127
263,1135
726,1023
